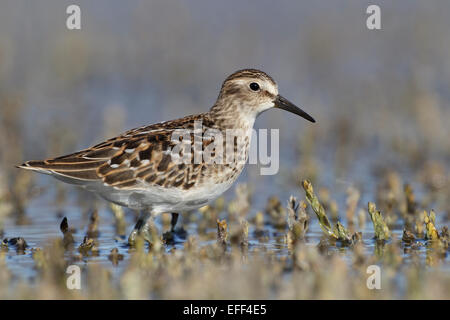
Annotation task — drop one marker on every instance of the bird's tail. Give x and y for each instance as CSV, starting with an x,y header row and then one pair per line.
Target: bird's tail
x,y
70,170
34,165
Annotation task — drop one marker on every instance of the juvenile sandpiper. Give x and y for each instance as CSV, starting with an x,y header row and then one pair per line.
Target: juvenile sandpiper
x,y
139,169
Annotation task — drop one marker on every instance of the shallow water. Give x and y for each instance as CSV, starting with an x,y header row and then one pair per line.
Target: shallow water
x,y
45,219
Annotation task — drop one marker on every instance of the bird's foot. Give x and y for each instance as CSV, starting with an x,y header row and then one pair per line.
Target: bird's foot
x,y
144,234
132,238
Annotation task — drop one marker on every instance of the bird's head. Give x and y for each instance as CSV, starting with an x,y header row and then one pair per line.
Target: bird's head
x,y
251,92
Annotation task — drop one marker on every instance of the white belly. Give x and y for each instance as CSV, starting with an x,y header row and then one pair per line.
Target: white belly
x,y
158,199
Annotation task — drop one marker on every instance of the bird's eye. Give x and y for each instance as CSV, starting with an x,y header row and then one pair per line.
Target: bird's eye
x,y
254,86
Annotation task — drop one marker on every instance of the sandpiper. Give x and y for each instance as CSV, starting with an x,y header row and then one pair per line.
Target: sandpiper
x,y
138,169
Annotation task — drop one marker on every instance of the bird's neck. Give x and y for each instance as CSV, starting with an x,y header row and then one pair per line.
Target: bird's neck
x,y
229,115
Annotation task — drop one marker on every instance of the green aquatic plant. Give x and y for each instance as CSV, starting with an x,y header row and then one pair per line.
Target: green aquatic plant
x,y
444,233
379,225
318,209
408,237
88,247
339,232
222,233
298,219
431,232
342,233
328,203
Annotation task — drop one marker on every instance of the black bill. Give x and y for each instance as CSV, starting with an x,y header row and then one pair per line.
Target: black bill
x,y
285,104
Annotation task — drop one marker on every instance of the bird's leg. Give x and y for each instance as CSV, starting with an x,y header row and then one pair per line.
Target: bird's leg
x,y
141,228
173,221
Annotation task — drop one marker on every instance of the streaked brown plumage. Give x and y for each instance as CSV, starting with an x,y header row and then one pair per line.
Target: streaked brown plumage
x,y
136,170
135,157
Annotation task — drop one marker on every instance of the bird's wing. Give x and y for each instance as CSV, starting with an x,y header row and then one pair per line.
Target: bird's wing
x,y
134,159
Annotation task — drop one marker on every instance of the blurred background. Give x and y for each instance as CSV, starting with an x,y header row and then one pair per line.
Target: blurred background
x,y
381,98
141,62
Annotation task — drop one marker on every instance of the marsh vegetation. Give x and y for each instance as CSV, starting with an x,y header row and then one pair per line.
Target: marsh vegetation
x,y
369,184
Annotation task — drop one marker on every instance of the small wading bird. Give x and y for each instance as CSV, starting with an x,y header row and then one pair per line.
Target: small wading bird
x,y
136,170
